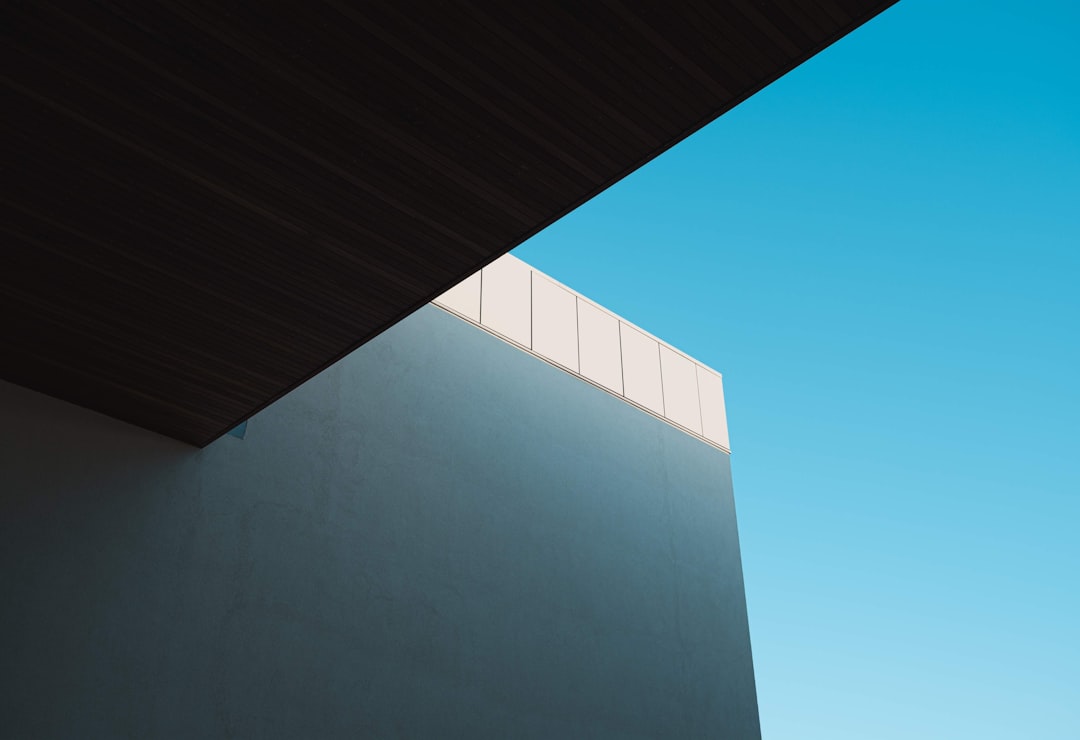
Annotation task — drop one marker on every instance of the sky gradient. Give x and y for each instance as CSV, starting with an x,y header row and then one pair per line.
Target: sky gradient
x,y
881,253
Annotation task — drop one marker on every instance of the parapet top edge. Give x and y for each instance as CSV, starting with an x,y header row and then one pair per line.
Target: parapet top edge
x,y
614,315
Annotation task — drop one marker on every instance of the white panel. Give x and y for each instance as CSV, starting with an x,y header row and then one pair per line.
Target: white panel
x,y
526,306
464,297
554,317
598,338
641,369
680,389
504,304
713,414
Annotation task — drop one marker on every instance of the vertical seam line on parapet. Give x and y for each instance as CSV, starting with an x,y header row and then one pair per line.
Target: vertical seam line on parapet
x,y
532,310
480,311
622,372
577,330
697,384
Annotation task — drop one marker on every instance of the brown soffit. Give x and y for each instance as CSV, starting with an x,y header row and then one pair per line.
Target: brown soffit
x,y
206,204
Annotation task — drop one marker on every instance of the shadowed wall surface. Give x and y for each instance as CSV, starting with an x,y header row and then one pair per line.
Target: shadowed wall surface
x,y
439,536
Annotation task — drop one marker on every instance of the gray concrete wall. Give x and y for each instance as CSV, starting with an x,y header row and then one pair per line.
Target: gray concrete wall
x,y
441,536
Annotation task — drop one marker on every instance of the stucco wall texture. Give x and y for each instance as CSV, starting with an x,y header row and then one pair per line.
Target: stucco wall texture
x,y
441,536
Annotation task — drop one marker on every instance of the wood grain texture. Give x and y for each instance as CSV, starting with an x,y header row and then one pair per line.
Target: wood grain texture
x,y
205,204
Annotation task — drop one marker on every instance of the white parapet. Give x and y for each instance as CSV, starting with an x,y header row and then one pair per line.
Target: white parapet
x,y
527,308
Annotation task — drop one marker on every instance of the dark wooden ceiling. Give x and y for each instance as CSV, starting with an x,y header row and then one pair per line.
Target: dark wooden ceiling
x,y
205,204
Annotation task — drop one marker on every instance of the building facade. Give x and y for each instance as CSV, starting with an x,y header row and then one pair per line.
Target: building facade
x,y
511,515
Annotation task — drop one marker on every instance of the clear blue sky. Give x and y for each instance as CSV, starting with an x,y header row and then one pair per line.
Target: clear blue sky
x,y
881,253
